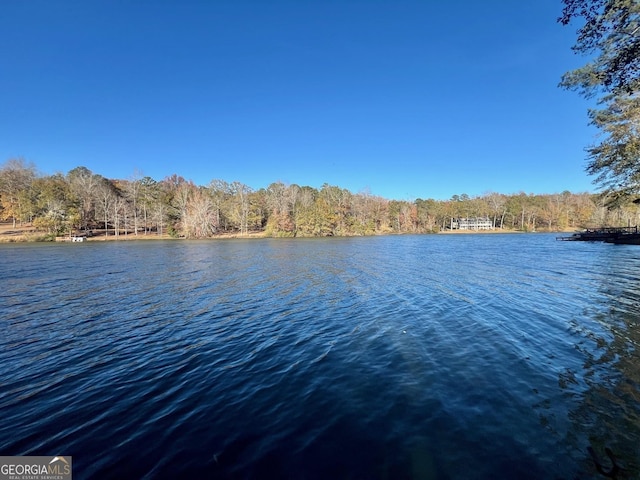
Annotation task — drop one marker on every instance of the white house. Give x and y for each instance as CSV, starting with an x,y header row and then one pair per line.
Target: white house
x,y
472,223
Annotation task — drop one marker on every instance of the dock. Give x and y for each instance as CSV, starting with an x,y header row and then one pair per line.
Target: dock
x,y
605,234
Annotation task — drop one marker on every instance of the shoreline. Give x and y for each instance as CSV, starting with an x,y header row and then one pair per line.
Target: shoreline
x,y
28,234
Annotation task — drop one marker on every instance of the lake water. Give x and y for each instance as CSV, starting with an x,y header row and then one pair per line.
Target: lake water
x,y
434,357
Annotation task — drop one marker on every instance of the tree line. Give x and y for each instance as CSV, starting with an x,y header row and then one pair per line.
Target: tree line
x,y
59,204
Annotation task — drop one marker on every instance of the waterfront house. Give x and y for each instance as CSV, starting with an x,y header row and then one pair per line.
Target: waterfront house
x,y
472,223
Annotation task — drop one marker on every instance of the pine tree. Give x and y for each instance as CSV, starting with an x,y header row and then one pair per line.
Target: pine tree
x,y
611,36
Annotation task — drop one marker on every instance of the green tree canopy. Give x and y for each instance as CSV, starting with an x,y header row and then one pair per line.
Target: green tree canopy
x,y
616,160
610,35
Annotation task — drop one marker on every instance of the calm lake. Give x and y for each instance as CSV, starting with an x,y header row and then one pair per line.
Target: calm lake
x,y
434,357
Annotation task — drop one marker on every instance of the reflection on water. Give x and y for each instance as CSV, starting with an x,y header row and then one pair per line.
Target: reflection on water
x,y
607,415
476,356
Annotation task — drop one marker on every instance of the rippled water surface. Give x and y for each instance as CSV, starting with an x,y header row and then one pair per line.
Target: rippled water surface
x,y
437,357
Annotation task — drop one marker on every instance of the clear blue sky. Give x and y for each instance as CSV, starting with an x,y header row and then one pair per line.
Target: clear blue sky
x,y
406,98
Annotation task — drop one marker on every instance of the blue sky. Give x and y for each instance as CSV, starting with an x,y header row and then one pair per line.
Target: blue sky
x,y
407,99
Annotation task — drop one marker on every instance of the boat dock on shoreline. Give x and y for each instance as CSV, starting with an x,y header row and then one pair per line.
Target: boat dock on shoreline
x,y
618,235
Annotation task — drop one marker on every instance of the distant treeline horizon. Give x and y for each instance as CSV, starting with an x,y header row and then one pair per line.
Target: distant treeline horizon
x,y
58,204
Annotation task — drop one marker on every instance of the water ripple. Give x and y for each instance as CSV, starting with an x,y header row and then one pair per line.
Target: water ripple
x,y
476,356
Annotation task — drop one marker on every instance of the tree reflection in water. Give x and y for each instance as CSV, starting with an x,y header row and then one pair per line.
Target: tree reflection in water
x,y
607,415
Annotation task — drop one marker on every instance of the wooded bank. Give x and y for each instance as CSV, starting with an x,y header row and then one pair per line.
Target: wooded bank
x,y
82,200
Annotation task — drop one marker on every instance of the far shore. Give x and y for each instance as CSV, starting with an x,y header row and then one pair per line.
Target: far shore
x,y
27,233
